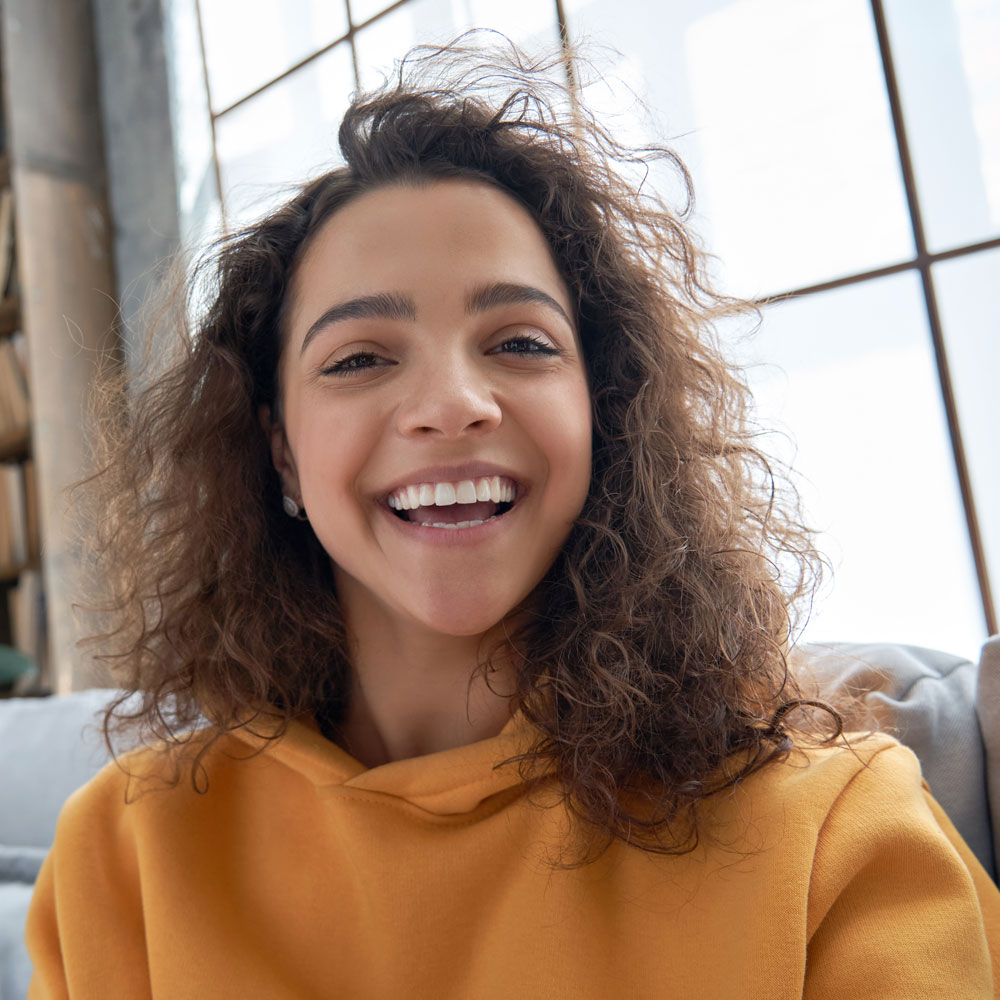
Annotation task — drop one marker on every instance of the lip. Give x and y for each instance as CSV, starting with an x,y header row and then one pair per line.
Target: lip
x,y
453,474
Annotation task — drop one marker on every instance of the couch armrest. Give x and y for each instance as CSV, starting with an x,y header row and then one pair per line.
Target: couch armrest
x,y
988,710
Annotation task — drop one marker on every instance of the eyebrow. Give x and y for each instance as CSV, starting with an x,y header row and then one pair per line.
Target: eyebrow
x,y
393,305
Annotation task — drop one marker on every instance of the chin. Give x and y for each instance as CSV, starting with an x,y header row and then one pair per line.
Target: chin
x,y
462,614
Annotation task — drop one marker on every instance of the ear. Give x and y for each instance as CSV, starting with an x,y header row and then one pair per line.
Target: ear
x,y
281,454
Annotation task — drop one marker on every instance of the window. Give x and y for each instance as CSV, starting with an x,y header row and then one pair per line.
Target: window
x,y
846,159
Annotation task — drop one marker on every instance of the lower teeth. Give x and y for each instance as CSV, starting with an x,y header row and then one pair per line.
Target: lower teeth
x,y
459,524
501,509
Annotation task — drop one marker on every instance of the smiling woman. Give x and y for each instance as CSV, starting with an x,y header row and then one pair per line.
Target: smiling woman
x,y
444,379
448,514
439,382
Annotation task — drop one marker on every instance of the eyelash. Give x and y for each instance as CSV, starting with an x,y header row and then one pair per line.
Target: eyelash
x,y
346,367
537,346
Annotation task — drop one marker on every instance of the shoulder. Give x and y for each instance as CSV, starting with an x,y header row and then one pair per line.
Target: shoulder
x,y
185,787
812,781
884,873
857,766
887,856
832,810
865,818
139,784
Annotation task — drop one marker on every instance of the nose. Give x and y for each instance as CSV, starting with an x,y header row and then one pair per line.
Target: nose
x,y
449,399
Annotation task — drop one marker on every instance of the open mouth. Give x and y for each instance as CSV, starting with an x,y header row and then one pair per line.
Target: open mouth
x,y
457,516
464,504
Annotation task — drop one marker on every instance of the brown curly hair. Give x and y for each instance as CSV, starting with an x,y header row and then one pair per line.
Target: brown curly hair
x,y
654,649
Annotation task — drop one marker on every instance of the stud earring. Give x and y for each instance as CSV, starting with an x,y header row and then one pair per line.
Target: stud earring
x,y
292,509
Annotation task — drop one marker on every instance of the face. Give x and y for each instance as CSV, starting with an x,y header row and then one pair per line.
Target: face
x,y
435,418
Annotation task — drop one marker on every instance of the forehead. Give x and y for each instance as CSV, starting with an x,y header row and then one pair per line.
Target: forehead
x,y
413,238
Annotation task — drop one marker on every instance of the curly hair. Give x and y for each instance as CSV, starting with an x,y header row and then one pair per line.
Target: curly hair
x,y
653,653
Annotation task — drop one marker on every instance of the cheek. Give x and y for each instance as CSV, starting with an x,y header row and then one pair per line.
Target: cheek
x,y
570,442
330,453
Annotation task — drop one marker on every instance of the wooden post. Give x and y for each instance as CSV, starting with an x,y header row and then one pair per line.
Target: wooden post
x,y
67,278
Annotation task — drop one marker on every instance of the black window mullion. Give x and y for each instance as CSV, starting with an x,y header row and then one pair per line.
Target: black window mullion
x,y
923,263
211,114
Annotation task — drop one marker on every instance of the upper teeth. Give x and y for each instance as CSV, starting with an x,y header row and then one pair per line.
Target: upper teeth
x,y
496,488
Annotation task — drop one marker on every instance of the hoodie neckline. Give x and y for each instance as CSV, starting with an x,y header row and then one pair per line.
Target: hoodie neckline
x,y
447,782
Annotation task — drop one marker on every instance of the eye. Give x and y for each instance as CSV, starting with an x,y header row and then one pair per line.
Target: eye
x,y
355,364
526,343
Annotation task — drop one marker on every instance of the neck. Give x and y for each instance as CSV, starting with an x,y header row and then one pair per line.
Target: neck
x,y
416,692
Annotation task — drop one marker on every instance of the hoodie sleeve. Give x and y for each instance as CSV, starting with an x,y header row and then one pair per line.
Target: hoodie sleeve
x,y
49,979
85,930
899,907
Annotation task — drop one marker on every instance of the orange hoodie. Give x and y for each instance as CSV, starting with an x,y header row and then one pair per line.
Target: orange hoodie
x,y
302,874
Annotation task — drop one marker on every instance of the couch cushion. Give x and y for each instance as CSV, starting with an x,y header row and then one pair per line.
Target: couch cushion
x,y
21,864
15,966
50,746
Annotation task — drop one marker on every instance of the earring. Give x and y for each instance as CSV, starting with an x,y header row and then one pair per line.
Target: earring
x,y
292,509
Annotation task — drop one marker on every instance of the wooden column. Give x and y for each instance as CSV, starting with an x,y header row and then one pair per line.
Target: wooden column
x,y
66,275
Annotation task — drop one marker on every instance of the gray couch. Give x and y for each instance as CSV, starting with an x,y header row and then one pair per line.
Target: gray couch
x,y
945,708
50,746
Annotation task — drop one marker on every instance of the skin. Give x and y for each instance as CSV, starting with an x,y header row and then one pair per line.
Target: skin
x,y
373,402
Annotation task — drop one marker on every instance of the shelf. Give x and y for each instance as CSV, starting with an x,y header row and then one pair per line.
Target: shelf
x,y
15,443
10,573
10,315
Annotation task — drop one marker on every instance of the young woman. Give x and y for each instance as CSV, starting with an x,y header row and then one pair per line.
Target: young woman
x,y
447,518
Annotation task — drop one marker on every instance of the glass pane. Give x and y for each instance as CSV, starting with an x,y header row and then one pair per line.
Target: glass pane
x,y
947,59
968,293
785,123
532,24
362,10
197,191
848,379
252,42
283,136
